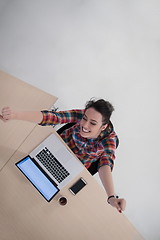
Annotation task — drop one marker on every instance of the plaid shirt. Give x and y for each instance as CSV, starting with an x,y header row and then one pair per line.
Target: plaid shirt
x,y
87,150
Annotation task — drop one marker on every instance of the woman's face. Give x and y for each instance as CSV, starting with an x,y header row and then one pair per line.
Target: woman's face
x,y
91,124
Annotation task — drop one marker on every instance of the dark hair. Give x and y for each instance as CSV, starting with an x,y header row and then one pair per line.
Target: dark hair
x,y
103,107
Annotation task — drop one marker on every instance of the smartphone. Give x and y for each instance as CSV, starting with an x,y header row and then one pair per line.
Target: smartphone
x,y
76,187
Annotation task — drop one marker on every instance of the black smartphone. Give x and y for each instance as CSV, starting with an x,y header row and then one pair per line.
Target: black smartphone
x,y
76,187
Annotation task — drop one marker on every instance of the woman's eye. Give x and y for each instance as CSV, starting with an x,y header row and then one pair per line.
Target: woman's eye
x,y
84,118
93,123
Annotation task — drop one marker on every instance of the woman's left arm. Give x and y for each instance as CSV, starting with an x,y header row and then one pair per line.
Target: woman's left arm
x,y
105,175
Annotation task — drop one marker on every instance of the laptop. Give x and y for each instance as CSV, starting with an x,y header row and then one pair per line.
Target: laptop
x,y
38,178
51,165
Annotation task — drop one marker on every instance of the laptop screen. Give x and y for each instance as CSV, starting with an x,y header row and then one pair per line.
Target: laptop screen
x,y
42,183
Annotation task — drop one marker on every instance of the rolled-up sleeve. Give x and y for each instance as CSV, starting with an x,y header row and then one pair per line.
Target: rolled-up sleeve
x,y
108,155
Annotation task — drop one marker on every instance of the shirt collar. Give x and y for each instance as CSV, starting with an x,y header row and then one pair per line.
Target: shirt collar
x,y
103,134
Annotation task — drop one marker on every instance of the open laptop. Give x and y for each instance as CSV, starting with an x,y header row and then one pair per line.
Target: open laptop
x,y
55,161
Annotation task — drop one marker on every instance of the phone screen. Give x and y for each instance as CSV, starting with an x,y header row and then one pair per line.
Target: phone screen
x,y
78,186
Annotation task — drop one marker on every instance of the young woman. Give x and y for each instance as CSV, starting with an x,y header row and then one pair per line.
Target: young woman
x,y
92,138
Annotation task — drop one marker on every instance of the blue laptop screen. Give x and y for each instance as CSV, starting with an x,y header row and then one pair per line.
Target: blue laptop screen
x,y
37,178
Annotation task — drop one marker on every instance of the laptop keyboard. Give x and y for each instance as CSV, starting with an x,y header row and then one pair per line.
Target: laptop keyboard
x,y
52,165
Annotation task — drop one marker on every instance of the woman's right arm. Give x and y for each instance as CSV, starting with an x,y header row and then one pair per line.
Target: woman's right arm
x,y
44,118
33,116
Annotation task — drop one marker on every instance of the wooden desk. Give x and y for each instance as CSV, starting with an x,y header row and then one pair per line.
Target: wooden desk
x,y
23,97
25,215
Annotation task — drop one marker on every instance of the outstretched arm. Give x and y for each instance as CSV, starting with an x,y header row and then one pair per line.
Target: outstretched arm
x,y
44,118
105,175
8,114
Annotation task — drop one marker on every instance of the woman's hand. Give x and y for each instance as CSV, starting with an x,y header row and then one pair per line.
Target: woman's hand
x,y
118,203
29,116
7,114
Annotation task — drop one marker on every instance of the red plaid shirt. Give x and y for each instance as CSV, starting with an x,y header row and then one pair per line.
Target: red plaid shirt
x,y
87,150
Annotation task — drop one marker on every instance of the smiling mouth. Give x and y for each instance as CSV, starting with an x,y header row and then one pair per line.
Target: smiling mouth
x,y
85,130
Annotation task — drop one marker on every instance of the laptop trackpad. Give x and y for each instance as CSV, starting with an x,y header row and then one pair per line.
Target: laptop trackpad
x,y
65,155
